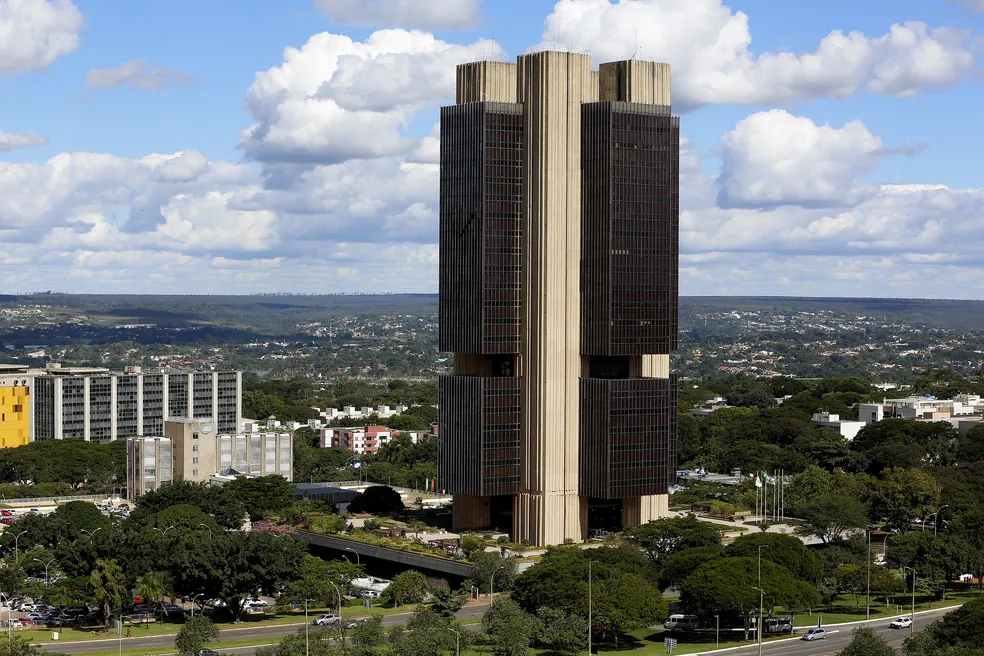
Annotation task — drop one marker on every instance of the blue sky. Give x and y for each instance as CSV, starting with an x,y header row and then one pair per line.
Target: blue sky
x,y
160,189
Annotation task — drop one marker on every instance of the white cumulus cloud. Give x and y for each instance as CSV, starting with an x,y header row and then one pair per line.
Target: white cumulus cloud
x,y
336,99
708,46
774,158
135,74
424,14
11,140
34,33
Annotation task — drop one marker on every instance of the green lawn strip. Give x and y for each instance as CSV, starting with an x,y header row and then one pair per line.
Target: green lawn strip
x,y
248,622
151,651
647,642
846,609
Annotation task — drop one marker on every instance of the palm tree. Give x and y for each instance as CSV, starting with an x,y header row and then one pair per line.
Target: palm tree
x,y
152,587
108,586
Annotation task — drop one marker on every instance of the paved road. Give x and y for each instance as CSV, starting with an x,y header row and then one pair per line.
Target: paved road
x,y
245,633
839,636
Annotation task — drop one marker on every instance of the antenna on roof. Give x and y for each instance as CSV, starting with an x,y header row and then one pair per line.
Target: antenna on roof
x,y
636,50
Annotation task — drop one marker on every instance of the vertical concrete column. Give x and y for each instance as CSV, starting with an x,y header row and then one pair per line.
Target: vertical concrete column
x,y
58,400
87,431
239,404
215,398
165,398
191,396
113,407
551,87
140,403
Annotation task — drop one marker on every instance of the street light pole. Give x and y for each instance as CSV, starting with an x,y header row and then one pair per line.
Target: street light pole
x,y
341,623
92,532
307,639
46,564
589,608
358,561
936,522
717,631
492,585
457,641
193,603
761,598
867,595
761,606
912,614
205,526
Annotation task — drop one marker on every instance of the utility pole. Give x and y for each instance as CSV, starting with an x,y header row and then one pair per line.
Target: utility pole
x,y
867,595
912,615
761,605
589,608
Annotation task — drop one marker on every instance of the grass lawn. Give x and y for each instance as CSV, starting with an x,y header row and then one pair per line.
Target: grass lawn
x,y
170,650
157,628
846,609
648,642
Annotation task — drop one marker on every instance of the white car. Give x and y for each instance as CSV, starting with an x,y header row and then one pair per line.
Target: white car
x,y
814,634
326,619
901,623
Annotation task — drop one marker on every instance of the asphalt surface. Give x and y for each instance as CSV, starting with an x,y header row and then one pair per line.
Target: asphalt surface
x,y
274,633
838,637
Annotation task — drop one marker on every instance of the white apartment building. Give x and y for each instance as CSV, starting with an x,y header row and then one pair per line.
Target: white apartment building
x,y
848,429
193,450
920,407
97,405
351,412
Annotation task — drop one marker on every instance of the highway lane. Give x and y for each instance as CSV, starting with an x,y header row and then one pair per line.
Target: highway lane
x,y
273,633
837,638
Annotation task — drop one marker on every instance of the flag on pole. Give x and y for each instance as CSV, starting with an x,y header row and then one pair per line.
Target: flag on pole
x,y
758,482
356,465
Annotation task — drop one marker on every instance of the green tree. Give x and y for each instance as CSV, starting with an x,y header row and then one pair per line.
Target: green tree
x,y
318,578
377,500
680,565
962,629
427,634
726,585
785,550
369,637
82,515
194,635
562,632
662,537
152,586
511,629
487,563
108,587
261,495
867,643
19,647
903,495
408,587
623,601
830,516
471,543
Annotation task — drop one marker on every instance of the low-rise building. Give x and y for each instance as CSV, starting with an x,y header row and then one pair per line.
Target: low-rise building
x,y
16,409
194,450
848,429
920,407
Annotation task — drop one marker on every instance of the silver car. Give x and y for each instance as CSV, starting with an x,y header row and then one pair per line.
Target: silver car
x,y
815,634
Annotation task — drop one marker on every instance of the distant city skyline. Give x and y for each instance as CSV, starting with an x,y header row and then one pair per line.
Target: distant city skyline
x,y
828,150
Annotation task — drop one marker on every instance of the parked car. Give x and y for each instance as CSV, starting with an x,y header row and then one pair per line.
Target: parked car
x,y
326,619
901,623
814,634
257,602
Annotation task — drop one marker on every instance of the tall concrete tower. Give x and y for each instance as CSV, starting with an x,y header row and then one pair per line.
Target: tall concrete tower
x,y
558,295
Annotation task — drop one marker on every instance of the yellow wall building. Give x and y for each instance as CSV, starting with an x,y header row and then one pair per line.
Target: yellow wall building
x,y
15,415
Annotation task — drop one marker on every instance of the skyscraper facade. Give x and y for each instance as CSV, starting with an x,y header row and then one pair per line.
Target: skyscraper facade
x,y
558,295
